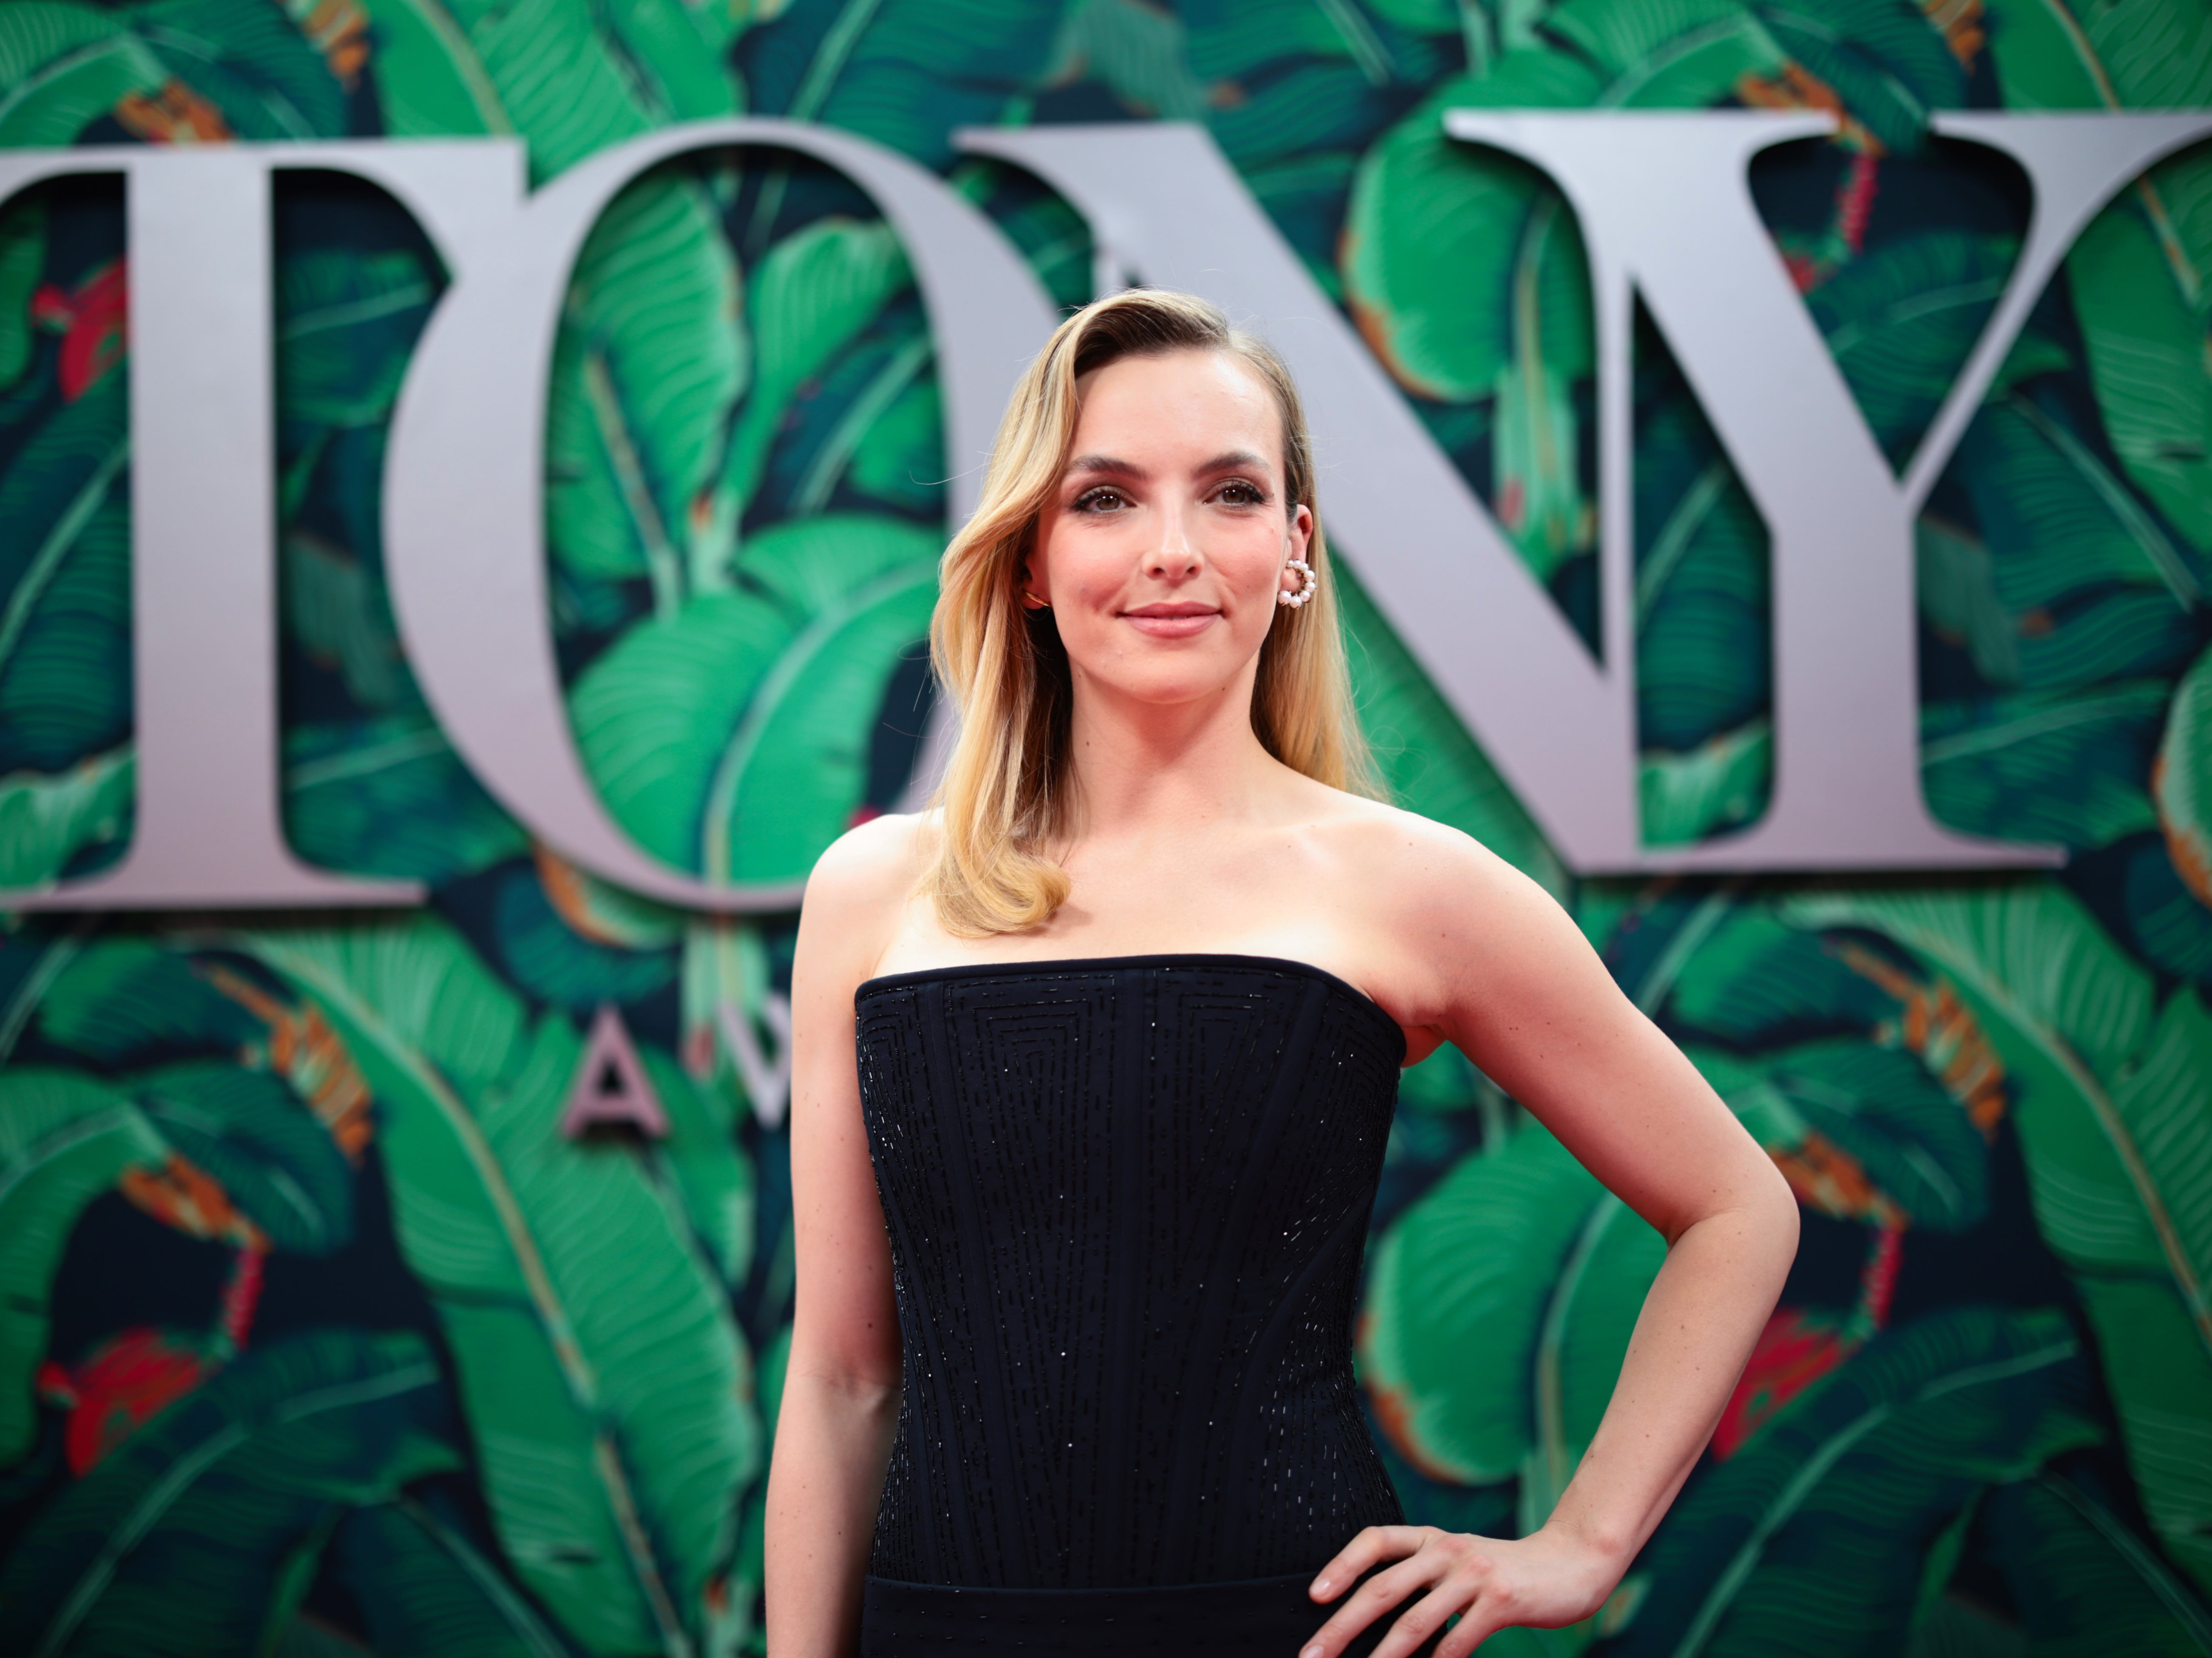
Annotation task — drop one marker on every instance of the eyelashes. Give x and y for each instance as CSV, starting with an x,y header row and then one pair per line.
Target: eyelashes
x,y
1091,500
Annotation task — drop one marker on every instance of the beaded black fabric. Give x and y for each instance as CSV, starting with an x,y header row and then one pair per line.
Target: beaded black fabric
x,y
1127,1198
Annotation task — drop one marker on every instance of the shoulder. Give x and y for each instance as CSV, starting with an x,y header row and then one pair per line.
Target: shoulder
x,y
879,859
1421,860
859,890
1459,916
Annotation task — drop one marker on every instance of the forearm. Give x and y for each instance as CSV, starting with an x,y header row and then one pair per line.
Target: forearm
x,y
832,1439
1699,1323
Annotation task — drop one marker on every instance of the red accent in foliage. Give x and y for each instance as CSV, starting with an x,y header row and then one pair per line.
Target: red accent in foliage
x,y
93,320
1878,1281
1855,201
863,813
127,1380
241,1297
1794,1350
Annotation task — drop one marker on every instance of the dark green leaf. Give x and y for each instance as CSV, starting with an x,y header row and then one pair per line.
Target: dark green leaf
x,y
186,1535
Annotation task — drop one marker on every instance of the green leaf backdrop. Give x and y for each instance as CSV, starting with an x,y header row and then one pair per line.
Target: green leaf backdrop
x,y
317,1337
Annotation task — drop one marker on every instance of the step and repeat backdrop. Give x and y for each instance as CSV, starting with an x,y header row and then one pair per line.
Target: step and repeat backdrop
x,y
470,478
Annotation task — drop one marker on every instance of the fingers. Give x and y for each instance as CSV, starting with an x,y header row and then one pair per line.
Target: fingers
x,y
1371,1546
1370,1600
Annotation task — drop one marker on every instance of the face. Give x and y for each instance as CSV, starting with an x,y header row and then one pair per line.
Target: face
x,y
1163,551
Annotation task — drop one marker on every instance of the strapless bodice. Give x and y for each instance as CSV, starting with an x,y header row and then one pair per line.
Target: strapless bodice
x,y
1128,1200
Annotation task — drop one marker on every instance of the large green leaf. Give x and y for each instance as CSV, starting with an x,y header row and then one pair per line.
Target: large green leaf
x,y
62,67
65,1139
2182,783
2111,1114
2054,518
2085,1585
1901,319
115,997
2161,1379
905,73
649,360
1498,1308
1811,1539
1703,655
607,1389
424,1589
2137,275
1721,783
1447,247
654,713
735,738
674,50
2070,767
1429,763
22,258
65,631
247,58
1885,60
546,956
46,820
543,66
796,767
1750,979
809,296
345,324
260,1143
390,797
199,1534
1922,1156
430,82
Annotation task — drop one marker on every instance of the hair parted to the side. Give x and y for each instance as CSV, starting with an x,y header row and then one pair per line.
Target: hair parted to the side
x,y
1006,796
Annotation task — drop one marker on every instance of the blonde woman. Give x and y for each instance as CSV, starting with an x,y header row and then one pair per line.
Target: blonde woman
x,y
1094,1066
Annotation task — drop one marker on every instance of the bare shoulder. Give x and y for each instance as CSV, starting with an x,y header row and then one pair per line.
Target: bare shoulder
x,y
857,892
1461,920
873,861
1422,862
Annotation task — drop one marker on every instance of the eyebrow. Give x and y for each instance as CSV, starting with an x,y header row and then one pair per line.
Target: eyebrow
x,y
1230,461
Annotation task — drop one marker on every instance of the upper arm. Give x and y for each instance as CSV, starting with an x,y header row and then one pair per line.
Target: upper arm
x,y
1528,1000
845,1323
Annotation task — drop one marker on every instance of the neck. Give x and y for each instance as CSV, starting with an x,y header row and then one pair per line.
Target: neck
x,y
1142,768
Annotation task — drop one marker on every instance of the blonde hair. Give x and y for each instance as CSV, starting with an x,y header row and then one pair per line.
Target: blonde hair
x,y
1006,796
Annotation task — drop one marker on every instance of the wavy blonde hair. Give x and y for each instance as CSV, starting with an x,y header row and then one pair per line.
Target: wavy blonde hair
x,y
1007,788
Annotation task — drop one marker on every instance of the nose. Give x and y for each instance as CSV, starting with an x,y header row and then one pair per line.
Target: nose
x,y
1173,557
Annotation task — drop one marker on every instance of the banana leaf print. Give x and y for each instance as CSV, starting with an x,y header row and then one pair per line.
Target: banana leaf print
x,y
204,1528
614,1425
325,1146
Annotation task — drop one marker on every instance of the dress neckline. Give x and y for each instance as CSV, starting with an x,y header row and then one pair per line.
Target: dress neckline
x,y
1159,959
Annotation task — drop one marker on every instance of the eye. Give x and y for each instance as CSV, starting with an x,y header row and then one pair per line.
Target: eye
x,y
1238,493
1100,500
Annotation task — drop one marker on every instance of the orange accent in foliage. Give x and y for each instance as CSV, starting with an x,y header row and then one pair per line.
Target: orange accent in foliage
x,y
93,319
308,1053
2191,862
186,1197
1828,1178
128,1379
175,115
1943,1031
339,30
1798,88
1960,22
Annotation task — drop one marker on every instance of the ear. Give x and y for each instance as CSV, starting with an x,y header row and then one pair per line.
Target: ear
x,y
1299,534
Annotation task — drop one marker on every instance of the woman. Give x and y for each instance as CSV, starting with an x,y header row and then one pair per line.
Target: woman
x,y
1094,1067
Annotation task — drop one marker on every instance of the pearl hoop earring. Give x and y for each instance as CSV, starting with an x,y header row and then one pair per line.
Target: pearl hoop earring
x,y
1304,594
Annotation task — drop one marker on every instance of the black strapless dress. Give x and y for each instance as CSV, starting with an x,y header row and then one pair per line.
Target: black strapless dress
x,y
1127,1198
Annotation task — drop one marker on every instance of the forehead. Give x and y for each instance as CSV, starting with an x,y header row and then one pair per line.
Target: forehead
x,y
1184,405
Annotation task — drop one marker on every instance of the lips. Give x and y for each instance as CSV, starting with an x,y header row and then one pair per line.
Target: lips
x,y
1177,621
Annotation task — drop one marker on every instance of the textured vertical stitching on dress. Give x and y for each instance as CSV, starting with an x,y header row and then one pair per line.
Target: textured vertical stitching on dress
x,y
1179,1534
